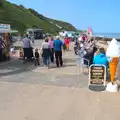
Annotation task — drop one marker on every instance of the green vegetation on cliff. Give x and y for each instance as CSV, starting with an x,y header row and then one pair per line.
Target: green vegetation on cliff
x,y
21,18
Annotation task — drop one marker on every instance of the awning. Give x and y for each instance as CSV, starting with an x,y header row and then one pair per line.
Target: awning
x,y
5,28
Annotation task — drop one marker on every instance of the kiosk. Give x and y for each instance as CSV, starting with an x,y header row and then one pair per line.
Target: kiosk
x,y
5,34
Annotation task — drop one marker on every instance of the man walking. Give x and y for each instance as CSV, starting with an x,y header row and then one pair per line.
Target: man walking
x,y
58,51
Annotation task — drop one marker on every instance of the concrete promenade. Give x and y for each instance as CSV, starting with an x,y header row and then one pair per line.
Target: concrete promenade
x,y
36,93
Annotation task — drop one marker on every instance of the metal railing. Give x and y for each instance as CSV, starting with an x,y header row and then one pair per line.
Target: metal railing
x,y
82,64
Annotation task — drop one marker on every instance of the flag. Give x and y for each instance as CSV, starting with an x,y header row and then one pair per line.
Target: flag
x,y
90,31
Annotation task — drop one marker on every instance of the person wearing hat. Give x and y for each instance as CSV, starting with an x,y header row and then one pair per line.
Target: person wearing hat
x,y
58,51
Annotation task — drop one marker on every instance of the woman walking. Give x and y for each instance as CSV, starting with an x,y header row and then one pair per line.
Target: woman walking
x,y
46,52
51,40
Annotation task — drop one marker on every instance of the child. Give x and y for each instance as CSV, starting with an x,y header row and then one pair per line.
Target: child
x,y
37,57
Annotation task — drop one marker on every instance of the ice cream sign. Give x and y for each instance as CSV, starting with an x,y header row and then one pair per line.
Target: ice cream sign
x,y
113,54
4,28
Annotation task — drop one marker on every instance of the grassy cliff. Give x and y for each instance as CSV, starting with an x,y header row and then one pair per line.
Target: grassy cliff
x,y
21,18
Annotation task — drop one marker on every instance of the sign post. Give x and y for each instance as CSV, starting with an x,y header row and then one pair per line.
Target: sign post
x,y
97,77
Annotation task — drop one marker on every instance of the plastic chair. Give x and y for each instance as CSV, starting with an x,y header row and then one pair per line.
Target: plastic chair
x,y
81,66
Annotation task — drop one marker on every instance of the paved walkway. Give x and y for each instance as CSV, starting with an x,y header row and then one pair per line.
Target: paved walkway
x,y
36,93
16,71
39,102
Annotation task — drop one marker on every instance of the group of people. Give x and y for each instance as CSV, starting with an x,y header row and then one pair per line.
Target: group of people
x,y
87,49
49,50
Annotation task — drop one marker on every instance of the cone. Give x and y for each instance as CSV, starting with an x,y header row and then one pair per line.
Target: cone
x,y
113,67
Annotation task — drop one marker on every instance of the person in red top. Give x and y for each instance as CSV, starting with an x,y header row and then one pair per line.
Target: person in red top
x,y
83,37
67,42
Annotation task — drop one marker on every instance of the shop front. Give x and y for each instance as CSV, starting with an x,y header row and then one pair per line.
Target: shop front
x,y
4,42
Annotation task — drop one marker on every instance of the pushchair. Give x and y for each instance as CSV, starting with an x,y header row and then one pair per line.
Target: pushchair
x,y
82,63
28,54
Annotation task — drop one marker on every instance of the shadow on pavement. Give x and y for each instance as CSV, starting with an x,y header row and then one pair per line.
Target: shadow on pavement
x,y
66,60
14,67
69,62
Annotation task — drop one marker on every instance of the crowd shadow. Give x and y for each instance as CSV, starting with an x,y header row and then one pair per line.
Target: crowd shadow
x,y
69,62
14,67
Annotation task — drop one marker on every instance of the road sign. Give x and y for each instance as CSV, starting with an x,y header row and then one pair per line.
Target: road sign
x,y
97,75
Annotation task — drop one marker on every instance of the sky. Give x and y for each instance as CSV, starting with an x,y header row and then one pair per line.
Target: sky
x,y
101,15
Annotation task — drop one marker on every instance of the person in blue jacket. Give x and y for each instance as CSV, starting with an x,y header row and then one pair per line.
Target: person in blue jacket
x,y
100,58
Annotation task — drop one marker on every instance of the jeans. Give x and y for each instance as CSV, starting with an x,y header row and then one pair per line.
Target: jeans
x,y
52,55
58,56
46,60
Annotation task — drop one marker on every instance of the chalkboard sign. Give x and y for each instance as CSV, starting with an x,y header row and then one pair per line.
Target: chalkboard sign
x,y
97,75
